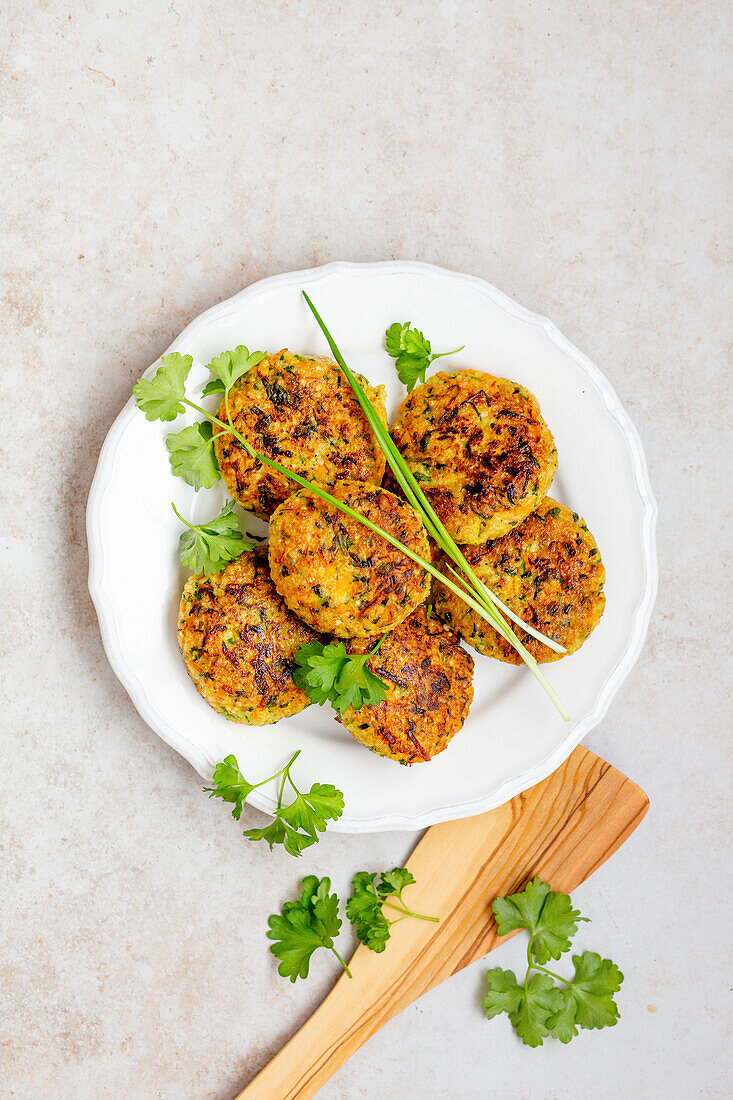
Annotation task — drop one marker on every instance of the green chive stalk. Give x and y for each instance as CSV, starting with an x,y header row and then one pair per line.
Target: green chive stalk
x,y
476,592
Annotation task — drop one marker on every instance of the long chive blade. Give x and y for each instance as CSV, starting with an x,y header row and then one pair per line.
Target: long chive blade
x,y
417,498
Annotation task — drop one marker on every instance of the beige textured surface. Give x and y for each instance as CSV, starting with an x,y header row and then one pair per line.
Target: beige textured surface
x,y
159,156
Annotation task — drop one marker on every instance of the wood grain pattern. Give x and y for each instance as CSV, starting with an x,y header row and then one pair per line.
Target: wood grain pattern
x,y
562,829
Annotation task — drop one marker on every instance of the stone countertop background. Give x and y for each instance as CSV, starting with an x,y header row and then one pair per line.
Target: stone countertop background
x,y
157,158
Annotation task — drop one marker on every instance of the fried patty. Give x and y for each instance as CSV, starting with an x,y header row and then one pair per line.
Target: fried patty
x,y
429,691
336,574
300,411
548,570
238,640
480,449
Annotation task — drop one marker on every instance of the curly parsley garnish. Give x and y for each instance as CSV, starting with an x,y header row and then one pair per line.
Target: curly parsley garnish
x,y
295,826
411,352
163,397
365,908
207,547
538,1007
313,921
305,925
327,673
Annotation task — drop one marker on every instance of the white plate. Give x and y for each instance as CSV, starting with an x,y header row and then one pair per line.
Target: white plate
x,y
513,737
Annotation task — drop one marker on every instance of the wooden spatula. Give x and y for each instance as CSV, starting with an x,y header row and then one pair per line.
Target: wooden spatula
x,y
562,830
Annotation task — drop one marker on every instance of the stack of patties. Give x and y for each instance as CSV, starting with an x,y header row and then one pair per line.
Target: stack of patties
x,y
484,458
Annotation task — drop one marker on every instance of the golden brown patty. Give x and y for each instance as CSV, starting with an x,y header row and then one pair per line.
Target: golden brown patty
x,y
480,449
301,411
238,639
548,571
337,575
429,691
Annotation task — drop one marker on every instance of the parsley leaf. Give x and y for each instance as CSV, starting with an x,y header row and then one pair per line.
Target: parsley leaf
x,y
229,367
319,668
357,686
521,910
538,1008
504,993
230,784
588,1000
539,1000
558,926
562,1023
207,547
161,397
411,352
548,917
303,926
364,910
366,906
192,455
529,1009
310,812
595,982
326,672
295,826
278,832
394,882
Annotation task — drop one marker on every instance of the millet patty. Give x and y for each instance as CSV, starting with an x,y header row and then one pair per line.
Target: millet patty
x,y
480,450
336,574
548,570
429,691
238,640
300,411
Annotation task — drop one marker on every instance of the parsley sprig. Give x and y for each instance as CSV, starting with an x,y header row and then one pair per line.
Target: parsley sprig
x,y
313,920
327,673
207,547
164,398
365,908
411,352
305,925
539,1008
295,826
